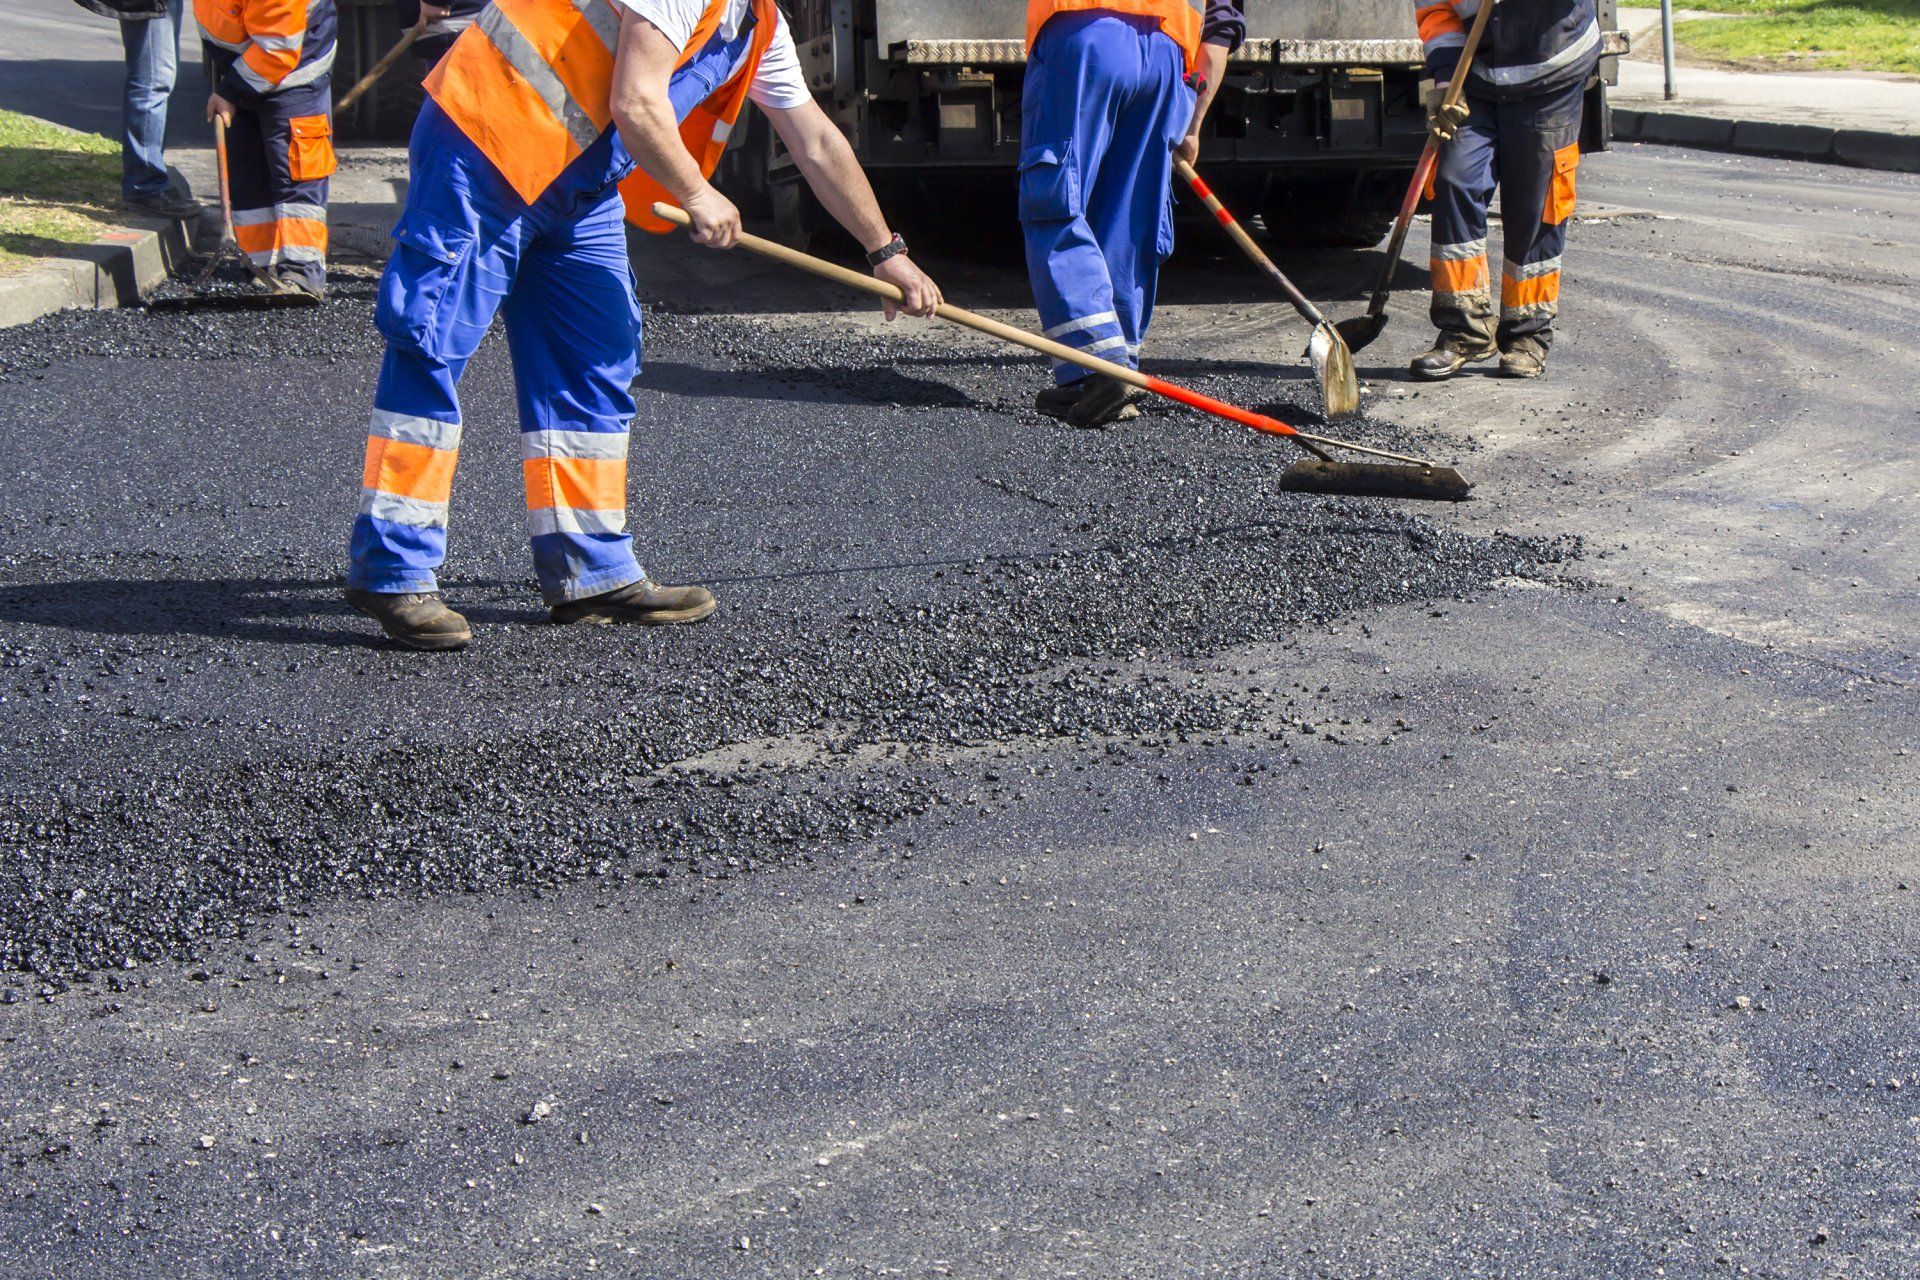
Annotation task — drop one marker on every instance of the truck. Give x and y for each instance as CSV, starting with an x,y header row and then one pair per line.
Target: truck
x,y
1316,129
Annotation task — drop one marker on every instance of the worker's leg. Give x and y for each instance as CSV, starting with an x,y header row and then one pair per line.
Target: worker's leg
x,y
1068,106
573,326
454,258
285,233
1539,153
1463,183
1130,199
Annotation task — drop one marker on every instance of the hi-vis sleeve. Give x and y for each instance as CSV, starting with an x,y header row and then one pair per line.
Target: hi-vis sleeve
x,y
1443,32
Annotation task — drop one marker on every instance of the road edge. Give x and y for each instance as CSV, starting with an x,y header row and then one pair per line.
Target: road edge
x,y
1858,148
114,271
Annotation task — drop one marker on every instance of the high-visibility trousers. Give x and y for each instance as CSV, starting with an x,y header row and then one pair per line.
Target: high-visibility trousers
x,y
1104,102
279,158
468,248
1530,149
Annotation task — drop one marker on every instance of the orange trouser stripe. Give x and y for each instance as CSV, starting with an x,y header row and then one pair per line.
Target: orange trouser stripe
x,y
264,237
596,484
1459,275
1526,293
409,470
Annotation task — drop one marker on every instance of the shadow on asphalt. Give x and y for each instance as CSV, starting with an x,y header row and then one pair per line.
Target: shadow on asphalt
x,y
279,611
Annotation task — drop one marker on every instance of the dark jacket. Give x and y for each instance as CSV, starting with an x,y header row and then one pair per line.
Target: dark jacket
x,y
1530,46
127,10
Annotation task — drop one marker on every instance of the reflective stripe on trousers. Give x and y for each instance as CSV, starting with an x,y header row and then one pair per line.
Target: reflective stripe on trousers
x,y
1511,145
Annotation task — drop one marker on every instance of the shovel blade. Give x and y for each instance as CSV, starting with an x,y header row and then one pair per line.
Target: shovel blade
x,y
1333,366
1377,480
1360,331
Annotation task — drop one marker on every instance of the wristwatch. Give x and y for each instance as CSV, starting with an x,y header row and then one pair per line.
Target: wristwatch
x,y
891,249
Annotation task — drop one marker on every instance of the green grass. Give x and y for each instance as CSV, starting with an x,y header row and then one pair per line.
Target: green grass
x,y
58,188
1829,35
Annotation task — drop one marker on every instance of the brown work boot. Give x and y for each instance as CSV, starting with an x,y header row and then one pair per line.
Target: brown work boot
x,y
1103,401
645,602
416,619
1524,358
1451,353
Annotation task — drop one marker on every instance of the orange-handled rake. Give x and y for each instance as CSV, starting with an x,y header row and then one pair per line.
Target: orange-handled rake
x,y
1326,350
1410,478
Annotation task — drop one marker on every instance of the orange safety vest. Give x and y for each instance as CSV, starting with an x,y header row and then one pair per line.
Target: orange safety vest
x,y
1177,18
530,83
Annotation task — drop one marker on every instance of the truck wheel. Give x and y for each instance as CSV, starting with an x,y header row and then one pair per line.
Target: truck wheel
x,y
1338,215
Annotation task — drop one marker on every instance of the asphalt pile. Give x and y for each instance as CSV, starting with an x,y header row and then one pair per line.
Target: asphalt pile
x,y
912,566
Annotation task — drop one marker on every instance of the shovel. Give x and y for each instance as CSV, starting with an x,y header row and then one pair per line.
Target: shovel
x,y
1401,477
1363,329
1326,350
277,294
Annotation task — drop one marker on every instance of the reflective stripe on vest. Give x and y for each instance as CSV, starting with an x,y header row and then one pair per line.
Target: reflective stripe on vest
x,y
1177,18
530,84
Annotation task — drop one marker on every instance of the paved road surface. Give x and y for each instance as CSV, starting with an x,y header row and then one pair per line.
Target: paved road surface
x,y
1039,897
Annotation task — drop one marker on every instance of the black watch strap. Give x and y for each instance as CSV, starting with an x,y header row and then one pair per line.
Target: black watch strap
x,y
891,249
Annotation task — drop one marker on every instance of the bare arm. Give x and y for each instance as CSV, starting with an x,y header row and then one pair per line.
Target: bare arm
x,y
833,171
1211,68
643,63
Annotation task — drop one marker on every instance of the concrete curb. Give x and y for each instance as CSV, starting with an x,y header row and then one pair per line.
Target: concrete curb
x,y
113,271
1861,148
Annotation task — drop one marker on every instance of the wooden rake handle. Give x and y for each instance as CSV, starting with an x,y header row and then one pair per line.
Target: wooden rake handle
x,y
1045,346
383,66
1246,242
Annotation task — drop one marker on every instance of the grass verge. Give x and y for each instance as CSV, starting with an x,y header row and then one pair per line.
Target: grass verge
x,y
1826,35
58,188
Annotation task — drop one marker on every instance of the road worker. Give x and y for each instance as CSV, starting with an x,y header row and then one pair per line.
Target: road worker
x,y
269,63
1112,88
520,160
1520,131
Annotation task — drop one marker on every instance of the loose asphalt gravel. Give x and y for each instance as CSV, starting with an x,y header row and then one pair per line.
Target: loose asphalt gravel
x,y
1152,873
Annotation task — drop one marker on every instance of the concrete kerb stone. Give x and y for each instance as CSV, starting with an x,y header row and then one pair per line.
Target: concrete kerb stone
x,y
114,271
1861,148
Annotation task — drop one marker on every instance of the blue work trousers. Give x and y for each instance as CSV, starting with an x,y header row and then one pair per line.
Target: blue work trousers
x,y
1104,101
468,248
152,49
1529,148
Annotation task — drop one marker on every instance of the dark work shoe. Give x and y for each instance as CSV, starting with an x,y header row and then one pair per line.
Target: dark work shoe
x,y
165,203
1104,400
1524,358
1451,353
645,602
1058,402
416,619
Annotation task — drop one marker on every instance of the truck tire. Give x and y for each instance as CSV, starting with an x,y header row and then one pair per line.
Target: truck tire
x,y
1342,213
387,111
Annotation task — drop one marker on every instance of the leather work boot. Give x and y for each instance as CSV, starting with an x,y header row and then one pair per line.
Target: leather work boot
x,y
645,602
1451,353
1105,400
416,619
1524,358
1058,402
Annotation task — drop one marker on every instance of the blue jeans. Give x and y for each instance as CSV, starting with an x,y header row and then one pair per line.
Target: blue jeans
x,y
153,61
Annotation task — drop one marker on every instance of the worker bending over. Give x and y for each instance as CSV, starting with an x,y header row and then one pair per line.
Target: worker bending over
x,y
1112,88
1521,132
534,118
268,62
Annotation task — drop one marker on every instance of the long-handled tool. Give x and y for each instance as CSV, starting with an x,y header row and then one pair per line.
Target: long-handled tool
x,y
276,295
1417,478
381,67
1326,350
1363,329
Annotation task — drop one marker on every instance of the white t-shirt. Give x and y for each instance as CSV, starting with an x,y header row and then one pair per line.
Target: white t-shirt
x,y
779,82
